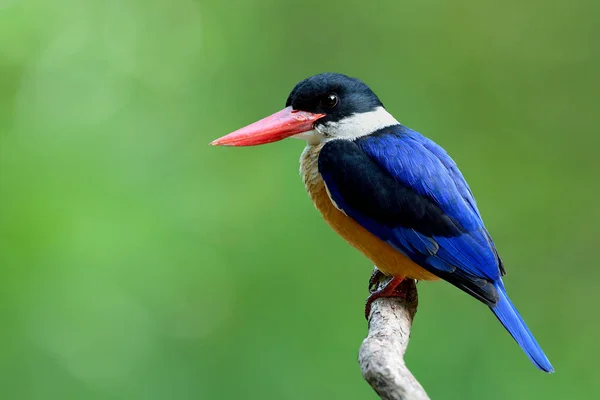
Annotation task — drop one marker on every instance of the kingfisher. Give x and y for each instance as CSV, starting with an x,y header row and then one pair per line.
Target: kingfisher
x,y
390,192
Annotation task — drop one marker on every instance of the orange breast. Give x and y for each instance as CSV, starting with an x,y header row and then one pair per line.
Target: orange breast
x,y
385,257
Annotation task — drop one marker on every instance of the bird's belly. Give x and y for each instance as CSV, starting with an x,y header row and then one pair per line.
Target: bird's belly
x,y
385,257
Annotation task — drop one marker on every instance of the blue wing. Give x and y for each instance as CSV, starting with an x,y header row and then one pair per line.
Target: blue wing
x,y
407,191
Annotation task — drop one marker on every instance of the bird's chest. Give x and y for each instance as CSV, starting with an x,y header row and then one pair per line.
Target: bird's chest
x,y
309,171
387,259
315,186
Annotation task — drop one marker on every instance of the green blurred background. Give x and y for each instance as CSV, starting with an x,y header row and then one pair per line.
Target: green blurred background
x,y
137,262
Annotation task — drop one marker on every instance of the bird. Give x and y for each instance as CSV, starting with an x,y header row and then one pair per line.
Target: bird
x,y
390,192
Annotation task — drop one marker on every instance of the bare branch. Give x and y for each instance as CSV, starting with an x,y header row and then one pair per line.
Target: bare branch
x,y
381,355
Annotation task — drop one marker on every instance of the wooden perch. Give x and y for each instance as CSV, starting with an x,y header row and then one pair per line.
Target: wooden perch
x,y
381,355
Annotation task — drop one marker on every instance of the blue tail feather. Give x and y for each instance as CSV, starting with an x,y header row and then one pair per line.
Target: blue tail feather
x,y
508,315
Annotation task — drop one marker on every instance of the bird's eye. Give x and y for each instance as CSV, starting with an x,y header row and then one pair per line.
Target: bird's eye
x,y
330,101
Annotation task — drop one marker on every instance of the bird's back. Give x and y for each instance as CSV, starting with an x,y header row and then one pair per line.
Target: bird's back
x,y
384,256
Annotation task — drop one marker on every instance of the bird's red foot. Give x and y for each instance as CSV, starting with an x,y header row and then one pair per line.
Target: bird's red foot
x,y
389,290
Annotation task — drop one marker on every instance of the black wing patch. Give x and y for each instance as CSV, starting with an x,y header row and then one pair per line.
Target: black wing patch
x,y
370,190
394,212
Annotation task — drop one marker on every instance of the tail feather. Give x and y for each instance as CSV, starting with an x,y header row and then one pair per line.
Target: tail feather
x,y
508,315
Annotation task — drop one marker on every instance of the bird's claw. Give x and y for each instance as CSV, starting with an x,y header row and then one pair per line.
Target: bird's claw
x,y
389,290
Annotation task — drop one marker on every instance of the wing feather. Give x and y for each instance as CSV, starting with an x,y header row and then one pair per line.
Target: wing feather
x,y
407,191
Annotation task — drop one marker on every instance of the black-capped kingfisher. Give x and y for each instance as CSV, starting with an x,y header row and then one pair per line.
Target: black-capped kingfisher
x,y
390,192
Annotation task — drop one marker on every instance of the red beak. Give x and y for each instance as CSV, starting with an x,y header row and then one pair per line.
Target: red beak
x,y
278,126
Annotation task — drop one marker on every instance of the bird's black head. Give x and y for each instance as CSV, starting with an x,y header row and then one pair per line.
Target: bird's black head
x,y
335,95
